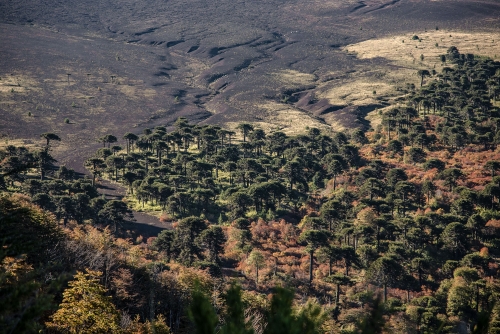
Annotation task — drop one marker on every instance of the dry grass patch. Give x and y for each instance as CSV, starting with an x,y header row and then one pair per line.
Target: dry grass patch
x,y
290,120
405,51
283,117
17,83
294,78
135,92
375,118
320,5
28,143
360,91
405,55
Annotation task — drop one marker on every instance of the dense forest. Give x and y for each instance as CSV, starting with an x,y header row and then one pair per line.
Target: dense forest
x,y
392,230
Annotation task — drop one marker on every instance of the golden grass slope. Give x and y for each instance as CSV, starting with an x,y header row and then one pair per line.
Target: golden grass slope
x,y
405,57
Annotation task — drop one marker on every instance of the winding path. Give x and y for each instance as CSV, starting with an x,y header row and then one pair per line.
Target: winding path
x,y
142,223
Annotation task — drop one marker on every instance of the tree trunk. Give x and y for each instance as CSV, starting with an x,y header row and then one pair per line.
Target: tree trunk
x,y
311,258
337,294
378,238
477,298
385,292
152,304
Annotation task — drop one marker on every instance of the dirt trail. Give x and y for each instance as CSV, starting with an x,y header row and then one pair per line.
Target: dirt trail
x,y
142,223
114,191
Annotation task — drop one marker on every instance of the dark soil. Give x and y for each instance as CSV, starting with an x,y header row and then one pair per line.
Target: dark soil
x,y
137,64
141,223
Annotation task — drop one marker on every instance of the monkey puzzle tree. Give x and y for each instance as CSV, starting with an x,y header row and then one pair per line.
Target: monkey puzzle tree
x,y
416,155
331,253
338,280
294,172
358,136
373,187
385,271
335,168
257,260
45,161
239,203
405,191
492,166
348,254
314,240
428,189
95,165
65,208
395,146
245,129
434,163
422,74
451,177
109,139
395,175
331,211
114,163
165,243
50,136
212,239
454,238
186,234
130,138
114,213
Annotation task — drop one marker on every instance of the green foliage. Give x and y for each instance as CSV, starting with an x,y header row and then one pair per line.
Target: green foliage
x,y
25,229
235,313
280,317
187,232
165,243
385,271
25,300
257,260
212,239
114,212
282,320
373,322
28,236
202,313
